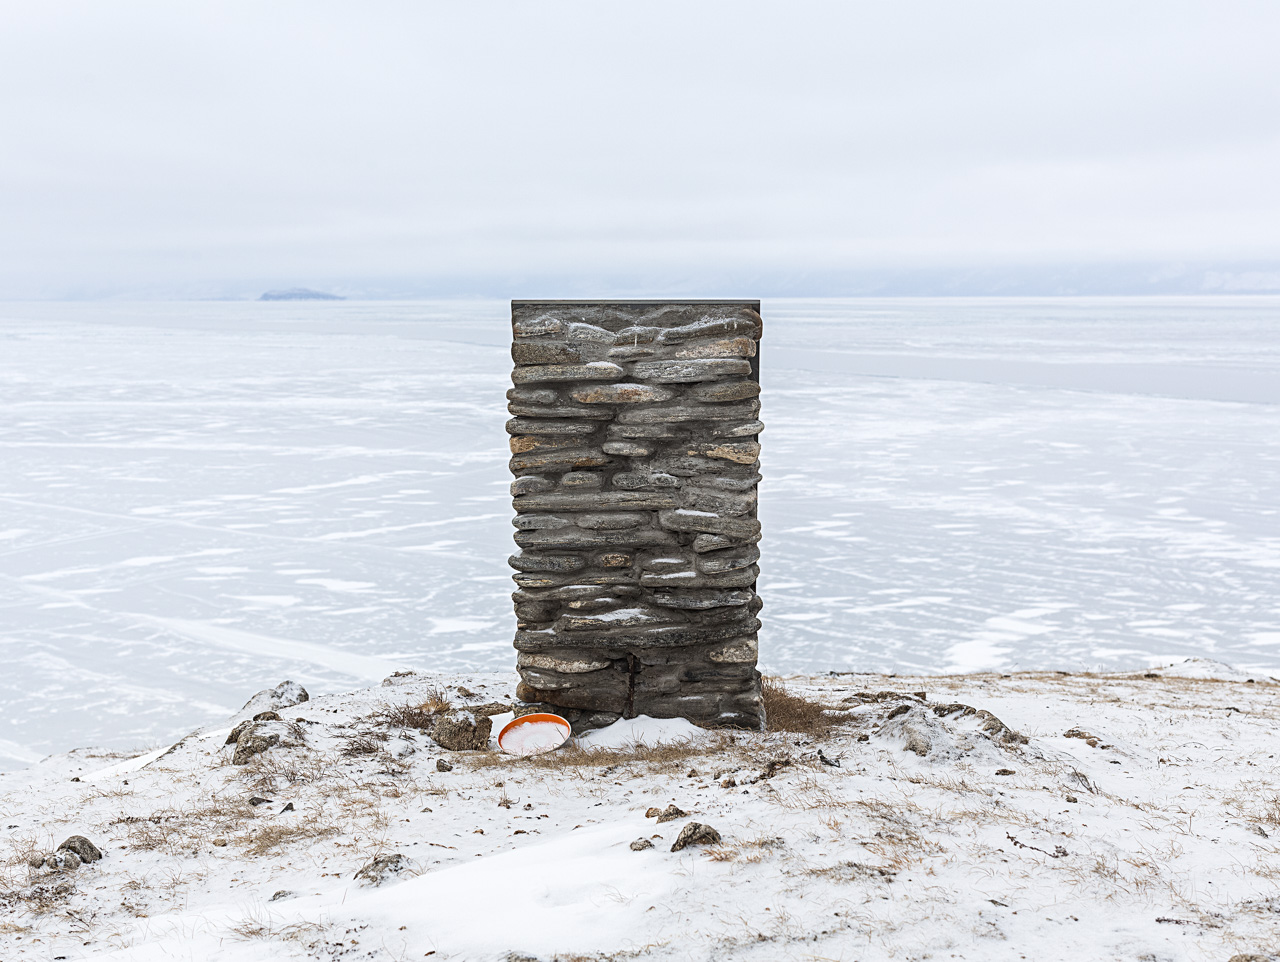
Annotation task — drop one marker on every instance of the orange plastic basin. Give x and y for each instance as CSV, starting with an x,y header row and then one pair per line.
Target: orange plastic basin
x,y
533,734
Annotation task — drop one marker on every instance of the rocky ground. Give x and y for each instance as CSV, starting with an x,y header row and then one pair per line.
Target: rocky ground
x,y
984,817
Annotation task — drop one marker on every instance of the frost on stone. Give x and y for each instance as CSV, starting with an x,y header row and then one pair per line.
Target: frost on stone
x,y
284,695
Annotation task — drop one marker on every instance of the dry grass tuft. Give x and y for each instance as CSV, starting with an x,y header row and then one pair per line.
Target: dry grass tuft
x,y
268,838
421,716
663,757
363,743
786,711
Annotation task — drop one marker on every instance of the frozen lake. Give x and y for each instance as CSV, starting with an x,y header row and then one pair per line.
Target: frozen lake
x,y
198,500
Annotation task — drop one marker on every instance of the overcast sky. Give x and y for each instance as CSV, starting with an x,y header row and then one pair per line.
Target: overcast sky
x,y
217,148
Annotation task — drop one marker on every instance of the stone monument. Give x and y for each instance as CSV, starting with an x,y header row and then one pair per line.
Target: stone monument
x,y
635,449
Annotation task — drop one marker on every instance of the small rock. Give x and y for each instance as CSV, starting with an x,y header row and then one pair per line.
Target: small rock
x,y
282,894
284,695
833,762
490,708
1005,771
1259,830
443,766
1071,799
288,807
403,677
668,814
236,732
220,843
62,861
254,740
640,844
466,692
267,716
1250,956
461,731
259,800
729,783
695,833
382,868
85,849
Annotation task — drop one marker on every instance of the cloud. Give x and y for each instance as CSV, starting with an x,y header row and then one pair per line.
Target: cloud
x,y
163,147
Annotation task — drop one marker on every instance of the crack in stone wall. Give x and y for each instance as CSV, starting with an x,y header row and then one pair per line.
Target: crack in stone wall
x,y
635,449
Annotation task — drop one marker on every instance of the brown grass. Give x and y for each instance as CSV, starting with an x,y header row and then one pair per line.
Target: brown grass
x,y
268,838
665,757
786,711
420,716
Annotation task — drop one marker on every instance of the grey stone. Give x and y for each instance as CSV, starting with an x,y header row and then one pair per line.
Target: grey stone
x,y
716,542
739,452
533,395
537,522
530,484
685,411
631,352
723,391
631,481
577,538
647,432
603,501
254,740
704,598
724,347
719,562
606,621
544,352
582,479
84,849
695,833
529,410
741,652
284,695
621,393
613,520
579,331
745,429
462,731
628,449
705,522
640,844
547,562
591,371
565,665
698,498
382,868
747,323
561,460
538,326
554,426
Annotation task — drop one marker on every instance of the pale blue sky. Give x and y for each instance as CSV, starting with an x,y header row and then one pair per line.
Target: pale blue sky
x,y
215,148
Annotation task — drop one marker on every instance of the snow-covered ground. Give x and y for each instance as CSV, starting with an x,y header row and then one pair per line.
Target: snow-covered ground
x,y
193,495
1069,817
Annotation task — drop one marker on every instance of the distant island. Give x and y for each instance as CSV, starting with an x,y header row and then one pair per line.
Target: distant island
x,y
299,294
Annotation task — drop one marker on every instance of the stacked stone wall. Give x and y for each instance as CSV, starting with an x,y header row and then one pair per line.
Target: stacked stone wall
x,y
635,449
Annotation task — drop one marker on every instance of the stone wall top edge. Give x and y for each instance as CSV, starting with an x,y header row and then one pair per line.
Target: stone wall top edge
x,y
640,302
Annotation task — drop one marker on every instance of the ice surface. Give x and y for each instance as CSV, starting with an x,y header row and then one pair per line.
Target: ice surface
x,y
200,500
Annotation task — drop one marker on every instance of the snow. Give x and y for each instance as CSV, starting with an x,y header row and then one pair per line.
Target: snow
x,y
1156,840
932,469
641,730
